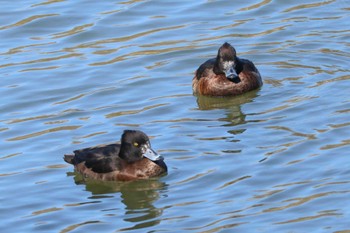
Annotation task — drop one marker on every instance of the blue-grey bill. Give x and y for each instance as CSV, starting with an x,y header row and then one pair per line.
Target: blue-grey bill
x,y
152,155
231,73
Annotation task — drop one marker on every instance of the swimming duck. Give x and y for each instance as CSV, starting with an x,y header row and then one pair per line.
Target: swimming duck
x,y
226,75
132,159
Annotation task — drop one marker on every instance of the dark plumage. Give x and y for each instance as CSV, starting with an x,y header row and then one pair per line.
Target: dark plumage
x,y
226,75
132,159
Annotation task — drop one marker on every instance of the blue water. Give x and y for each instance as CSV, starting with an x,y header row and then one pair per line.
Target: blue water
x,y
77,73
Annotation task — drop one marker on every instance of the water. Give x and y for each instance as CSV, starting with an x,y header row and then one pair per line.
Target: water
x,y
77,73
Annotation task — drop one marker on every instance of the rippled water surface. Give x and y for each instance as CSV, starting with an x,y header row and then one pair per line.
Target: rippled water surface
x,y
77,73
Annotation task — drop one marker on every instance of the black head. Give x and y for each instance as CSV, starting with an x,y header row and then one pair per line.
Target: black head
x,y
135,145
226,61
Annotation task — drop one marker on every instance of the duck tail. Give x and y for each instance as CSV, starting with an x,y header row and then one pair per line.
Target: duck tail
x,y
69,158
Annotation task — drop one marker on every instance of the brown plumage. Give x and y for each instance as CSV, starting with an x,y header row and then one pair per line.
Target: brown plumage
x,y
132,159
226,75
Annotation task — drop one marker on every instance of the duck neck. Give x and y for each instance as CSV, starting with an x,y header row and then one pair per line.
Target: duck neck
x,y
125,153
217,70
238,65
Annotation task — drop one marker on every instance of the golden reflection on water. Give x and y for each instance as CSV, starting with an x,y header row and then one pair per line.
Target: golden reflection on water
x,y
238,23
129,2
195,177
9,174
9,156
27,20
45,211
77,225
311,5
48,2
42,60
320,83
302,200
246,35
141,53
40,68
233,182
294,133
43,132
73,31
215,229
40,117
132,112
255,6
14,121
333,146
324,213
96,44
21,49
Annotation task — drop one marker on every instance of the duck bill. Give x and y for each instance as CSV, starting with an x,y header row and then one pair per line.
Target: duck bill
x,y
231,73
151,154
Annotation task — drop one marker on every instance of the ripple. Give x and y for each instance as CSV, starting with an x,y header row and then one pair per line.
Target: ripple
x,y
332,146
27,20
43,132
77,225
73,31
256,6
45,211
325,213
42,60
195,177
303,200
132,112
233,182
311,5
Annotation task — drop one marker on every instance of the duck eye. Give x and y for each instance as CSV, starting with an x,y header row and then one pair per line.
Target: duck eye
x,y
136,144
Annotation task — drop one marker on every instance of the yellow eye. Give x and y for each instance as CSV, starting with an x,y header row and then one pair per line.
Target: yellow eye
x,y
136,144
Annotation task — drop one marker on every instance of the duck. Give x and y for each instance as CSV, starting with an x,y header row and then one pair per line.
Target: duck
x,y
131,159
226,75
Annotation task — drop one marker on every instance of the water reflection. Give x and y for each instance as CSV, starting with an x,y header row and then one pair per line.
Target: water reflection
x,y
234,115
137,196
209,103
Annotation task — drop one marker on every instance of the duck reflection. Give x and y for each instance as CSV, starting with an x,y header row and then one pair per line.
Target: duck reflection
x,y
233,104
138,197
